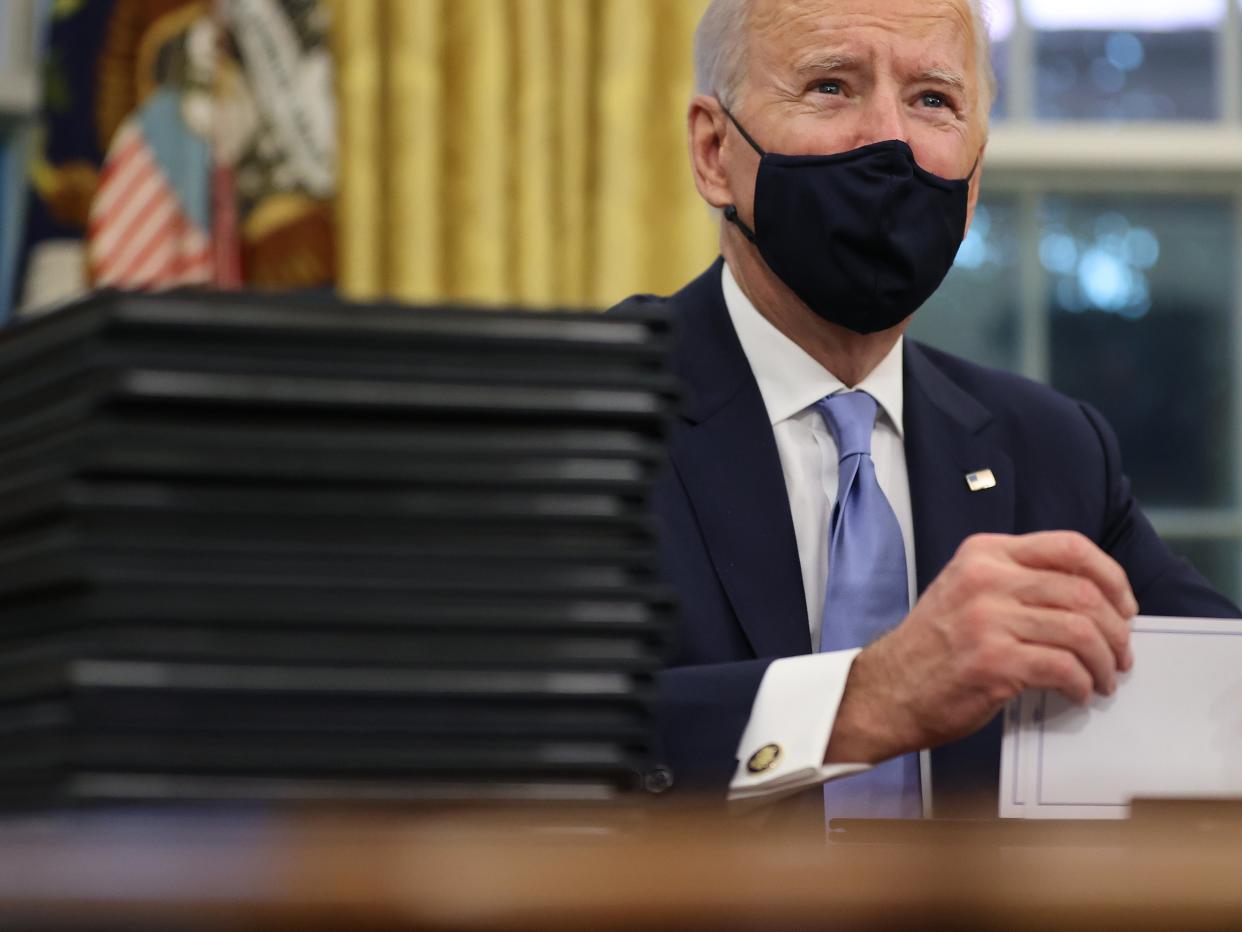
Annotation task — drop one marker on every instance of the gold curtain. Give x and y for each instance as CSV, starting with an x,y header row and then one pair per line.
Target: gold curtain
x,y
529,152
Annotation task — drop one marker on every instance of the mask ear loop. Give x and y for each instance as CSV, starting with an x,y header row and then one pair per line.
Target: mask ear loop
x,y
975,167
730,212
745,135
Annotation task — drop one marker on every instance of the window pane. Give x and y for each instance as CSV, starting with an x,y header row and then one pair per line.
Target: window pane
x,y
1000,22
1142,308
975,312
1219,560
1126,59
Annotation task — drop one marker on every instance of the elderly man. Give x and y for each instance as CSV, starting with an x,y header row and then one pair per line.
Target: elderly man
x,y
876,545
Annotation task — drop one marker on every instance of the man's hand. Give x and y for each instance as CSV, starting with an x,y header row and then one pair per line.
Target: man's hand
x,y
1044,611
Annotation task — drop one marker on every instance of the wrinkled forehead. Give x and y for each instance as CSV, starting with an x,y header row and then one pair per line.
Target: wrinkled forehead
x,y
784,33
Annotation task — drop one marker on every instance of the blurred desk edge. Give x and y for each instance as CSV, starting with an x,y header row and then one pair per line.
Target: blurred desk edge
x,y
492,871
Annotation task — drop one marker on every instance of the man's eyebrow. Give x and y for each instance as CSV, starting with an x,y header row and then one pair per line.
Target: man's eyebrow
x,y
945,76
829,61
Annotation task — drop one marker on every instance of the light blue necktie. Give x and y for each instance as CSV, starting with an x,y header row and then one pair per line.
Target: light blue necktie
x,y
867,595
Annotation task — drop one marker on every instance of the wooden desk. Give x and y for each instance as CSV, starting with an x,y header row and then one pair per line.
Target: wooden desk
x,y
487,871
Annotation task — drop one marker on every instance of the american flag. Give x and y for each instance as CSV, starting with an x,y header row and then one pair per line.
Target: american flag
x,y
141,235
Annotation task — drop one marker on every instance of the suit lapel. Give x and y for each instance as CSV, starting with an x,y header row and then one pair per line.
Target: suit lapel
x,y
726,456
946,439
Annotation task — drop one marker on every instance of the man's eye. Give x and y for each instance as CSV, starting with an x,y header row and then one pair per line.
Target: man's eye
x,y
935,101
828,87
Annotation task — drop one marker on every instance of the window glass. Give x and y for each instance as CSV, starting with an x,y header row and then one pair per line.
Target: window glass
x,y
1000,15
975,312
1142,307
1126,59
1219,560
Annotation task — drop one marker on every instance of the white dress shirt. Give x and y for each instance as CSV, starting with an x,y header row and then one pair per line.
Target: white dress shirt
x,y
797,702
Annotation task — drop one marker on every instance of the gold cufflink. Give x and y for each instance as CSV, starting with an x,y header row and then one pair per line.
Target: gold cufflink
x,y
764,759
981,481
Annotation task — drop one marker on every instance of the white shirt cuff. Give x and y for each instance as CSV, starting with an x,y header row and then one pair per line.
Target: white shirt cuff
x,y
782,749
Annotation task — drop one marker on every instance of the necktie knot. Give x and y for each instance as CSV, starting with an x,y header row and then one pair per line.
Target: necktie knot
x,y
850,417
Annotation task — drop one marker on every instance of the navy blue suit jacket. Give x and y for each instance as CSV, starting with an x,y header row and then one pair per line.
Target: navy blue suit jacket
x,y
728,544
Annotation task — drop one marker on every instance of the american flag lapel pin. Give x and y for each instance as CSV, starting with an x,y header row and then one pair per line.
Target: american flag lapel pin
x,y
981,481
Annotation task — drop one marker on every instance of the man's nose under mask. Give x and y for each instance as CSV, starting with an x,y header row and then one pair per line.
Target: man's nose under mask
x,y
863,237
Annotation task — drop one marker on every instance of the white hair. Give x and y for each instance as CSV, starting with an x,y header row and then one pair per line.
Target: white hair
x,y
720,48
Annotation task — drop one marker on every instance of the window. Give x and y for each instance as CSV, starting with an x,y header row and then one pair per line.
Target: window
x,y
976,311
1103,260
1126,59
1001,19
1141,303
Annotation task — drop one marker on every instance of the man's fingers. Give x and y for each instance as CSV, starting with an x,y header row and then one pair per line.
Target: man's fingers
x,y
1067,552
1043,667
1077,634
1076,595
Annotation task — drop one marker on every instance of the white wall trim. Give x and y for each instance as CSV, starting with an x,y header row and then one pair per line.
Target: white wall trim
x,y
19,85
19,94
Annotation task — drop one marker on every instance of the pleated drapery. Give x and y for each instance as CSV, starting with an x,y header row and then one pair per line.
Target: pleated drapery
x,y
526,152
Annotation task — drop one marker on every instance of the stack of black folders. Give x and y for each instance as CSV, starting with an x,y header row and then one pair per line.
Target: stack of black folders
x,y
268,549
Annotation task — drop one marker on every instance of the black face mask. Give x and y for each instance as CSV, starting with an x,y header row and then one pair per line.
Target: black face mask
x,y
863,237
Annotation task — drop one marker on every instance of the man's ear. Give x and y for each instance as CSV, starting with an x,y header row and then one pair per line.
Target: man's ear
x,y
708,130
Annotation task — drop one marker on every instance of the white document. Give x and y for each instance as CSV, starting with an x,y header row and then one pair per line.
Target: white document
x,y
1172,730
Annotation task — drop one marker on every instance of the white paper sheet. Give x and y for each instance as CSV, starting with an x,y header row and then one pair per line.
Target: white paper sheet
x,y
1172,730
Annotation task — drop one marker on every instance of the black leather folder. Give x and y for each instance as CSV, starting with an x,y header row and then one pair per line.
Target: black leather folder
x,y
281,548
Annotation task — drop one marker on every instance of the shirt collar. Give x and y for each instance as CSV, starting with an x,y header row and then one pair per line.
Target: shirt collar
x,y
790,381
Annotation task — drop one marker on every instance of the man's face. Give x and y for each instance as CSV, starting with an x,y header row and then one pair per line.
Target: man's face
x,y
828,76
